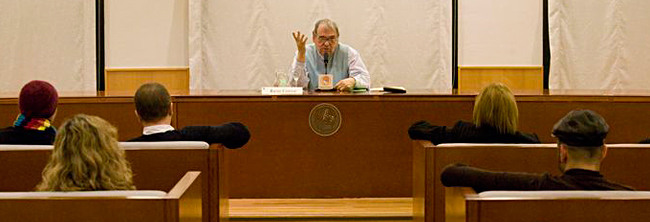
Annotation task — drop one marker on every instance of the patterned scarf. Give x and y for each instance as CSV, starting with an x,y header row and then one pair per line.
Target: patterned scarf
x,y
40,124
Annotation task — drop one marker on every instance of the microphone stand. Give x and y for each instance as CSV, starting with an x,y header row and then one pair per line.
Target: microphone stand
x,y
326,60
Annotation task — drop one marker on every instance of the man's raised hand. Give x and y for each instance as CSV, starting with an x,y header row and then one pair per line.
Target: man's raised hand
x,y
301,40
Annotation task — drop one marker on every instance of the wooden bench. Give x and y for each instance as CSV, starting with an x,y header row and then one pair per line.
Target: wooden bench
x,y
625,163
181,204
154,165
463,204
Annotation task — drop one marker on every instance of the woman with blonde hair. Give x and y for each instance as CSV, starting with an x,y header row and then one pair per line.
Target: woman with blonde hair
x,y
86,157
495,121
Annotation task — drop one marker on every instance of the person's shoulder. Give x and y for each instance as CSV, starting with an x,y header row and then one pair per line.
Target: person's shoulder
x,y
527,137
140,138
172,135
10,129
461,123
15,135
348,48
462,126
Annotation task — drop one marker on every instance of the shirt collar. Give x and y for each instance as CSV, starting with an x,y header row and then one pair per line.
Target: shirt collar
x,y
582,172
148,130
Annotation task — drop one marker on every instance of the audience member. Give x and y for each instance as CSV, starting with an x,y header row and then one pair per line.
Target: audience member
x,y
495,121
154,109
37,103
86,157
581,148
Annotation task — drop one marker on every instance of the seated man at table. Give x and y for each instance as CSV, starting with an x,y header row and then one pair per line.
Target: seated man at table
x,y
581,148
327,56
154,109
37,102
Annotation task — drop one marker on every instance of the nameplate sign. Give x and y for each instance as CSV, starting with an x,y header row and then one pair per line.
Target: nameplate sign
x,y
281,90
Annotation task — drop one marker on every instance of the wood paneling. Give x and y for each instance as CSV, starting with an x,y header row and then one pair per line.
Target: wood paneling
x,y
368,157
181,204
520,79
549,208
153,169
127,80
360,209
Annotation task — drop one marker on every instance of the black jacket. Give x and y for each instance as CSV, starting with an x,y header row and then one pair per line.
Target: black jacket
x,y
19,135
231,135
464,132
460,175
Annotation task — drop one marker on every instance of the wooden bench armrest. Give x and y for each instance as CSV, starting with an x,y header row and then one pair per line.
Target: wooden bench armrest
x,y
188,193
456,203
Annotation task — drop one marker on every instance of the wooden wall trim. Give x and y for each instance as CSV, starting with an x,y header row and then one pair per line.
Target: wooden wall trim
x,y
121,81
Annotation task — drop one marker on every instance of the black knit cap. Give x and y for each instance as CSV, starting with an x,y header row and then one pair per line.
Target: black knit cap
x,y
582,128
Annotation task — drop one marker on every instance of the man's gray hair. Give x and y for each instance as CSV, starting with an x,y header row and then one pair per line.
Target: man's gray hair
x,y
329,23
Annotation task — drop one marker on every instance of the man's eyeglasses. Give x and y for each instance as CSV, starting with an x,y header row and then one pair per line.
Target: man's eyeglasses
x,y
323,39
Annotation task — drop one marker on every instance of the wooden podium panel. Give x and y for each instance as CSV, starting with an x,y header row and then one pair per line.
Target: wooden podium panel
x,y
367,157
121,80
520,79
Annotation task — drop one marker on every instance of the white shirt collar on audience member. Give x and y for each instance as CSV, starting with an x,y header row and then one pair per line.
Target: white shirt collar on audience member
x,y
148,130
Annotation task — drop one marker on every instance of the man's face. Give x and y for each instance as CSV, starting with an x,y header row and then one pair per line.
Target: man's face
x,y
325,39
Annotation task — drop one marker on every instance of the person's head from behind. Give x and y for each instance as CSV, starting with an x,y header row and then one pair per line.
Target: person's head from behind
x,y
86,156
325,36
495,107
38,99
152,103
581,140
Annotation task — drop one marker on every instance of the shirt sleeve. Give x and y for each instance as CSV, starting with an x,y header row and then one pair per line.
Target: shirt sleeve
x,y
460,175
358,70
299,77
231,135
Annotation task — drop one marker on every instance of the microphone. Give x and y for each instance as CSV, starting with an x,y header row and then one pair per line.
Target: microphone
x,y
326,60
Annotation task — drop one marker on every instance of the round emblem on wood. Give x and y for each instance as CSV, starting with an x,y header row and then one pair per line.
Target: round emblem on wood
x,y
325,119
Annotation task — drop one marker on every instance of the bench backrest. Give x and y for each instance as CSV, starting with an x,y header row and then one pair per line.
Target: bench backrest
x,y
576,206
182,203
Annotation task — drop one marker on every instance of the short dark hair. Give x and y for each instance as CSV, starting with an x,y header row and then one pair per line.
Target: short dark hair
x,y
152,102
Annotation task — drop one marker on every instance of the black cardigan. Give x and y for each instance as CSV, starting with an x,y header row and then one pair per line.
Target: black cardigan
x,y
464,132
231,135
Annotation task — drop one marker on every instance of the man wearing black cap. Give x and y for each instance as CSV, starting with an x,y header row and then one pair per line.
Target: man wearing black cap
x,y
581,148
37,102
